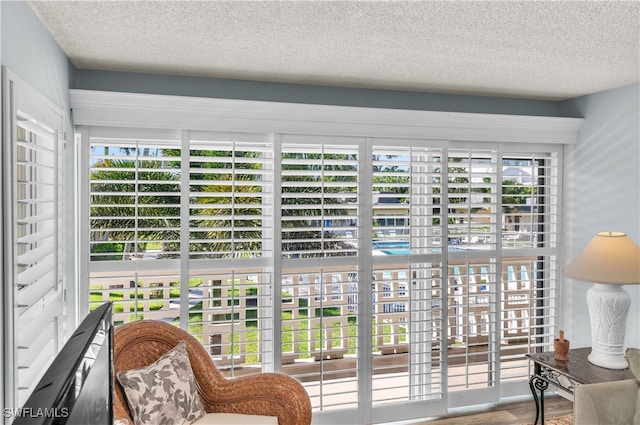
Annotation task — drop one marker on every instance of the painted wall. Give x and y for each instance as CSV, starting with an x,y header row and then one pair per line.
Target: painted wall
x,y
31,52
300,93
602,193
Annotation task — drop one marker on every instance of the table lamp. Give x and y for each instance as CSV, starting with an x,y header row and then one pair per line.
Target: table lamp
x,y
610,260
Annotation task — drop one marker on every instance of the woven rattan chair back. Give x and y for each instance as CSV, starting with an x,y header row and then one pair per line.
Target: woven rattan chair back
x,y
138,344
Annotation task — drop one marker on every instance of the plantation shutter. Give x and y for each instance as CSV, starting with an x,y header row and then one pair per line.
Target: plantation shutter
x,y
530,205
229,195
472,208
460,251
319,197
230,225
407,310
135,216
34,240
392,277
134,197
187,217
321,279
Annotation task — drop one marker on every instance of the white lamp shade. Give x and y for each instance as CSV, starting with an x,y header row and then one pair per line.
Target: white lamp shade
x,y
610,257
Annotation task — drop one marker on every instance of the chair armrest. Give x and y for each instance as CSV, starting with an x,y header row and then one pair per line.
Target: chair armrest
x,y
609,403
270,394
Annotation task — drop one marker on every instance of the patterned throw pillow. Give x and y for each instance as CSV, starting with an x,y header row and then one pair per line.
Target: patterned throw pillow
x,y
165,392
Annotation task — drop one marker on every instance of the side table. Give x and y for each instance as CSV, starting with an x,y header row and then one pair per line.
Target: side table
x,y
566,375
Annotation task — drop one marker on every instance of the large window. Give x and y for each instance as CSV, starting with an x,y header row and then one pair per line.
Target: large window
x,y
394,277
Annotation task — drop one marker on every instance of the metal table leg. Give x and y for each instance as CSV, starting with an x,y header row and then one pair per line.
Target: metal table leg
x,y
538,384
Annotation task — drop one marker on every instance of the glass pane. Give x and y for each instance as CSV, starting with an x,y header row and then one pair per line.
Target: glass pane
x,y
319,201
228,188
320,333
134,200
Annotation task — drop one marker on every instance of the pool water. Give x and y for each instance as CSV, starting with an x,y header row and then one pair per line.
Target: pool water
x,y
402,247
393,247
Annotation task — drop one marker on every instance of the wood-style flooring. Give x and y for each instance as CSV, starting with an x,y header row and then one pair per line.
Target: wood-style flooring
x,y
515,413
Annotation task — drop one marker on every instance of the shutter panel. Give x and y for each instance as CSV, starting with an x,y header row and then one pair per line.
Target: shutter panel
x,y
407,284
231,220
134,207
230,188
39,296
134,199
34,226
320,278
528,293
319,198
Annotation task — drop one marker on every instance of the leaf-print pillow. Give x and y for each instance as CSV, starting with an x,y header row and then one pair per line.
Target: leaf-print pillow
x,y
165,392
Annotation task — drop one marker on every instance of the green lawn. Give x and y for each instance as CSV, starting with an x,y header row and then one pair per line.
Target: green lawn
x,y
252,348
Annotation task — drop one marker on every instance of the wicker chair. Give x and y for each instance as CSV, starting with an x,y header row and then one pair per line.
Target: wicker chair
x,y
141,343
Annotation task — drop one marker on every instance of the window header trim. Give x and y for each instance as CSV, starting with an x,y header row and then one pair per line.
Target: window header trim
x,y
162,111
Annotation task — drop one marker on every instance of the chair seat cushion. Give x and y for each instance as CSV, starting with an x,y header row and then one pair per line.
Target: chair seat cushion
x,y
235,419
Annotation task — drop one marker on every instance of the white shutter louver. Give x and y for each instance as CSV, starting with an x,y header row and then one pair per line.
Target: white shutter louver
x,y
319,199
38,211
34,243
229,194
134,199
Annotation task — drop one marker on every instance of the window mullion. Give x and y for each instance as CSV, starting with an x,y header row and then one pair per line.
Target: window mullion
x,y
276,281
497,333
365,270
185,212
83,225
444,223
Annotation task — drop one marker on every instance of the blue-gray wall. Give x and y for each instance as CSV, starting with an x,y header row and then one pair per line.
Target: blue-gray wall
x,y
31,52
301,93
602,193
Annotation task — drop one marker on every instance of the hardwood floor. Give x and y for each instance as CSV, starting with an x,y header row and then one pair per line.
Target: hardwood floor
x,y
515,413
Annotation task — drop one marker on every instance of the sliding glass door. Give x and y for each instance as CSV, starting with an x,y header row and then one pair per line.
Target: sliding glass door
x,y
394,278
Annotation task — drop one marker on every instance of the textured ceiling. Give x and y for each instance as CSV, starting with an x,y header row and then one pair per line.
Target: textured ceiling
x,y
529,49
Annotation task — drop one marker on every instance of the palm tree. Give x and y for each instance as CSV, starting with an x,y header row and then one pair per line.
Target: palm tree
x,y
130,204
307,221
232,218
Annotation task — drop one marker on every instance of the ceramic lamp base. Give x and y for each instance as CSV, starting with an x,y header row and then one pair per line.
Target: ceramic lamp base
x,y
608,308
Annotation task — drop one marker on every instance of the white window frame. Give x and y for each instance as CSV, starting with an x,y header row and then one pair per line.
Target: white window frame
x,y
93,108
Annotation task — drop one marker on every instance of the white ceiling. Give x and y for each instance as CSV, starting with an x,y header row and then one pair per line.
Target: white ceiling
x,y
530,49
